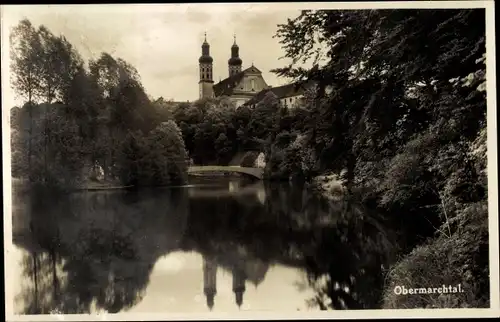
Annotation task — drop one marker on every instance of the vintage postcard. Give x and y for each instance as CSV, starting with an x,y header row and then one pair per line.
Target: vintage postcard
x,y
263,161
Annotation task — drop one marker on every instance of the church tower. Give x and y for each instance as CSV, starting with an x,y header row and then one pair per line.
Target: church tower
x,y
239,278
234,63
206,68
209,280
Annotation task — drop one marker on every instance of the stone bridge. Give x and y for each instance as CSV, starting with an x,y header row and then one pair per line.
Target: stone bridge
x,y
253,172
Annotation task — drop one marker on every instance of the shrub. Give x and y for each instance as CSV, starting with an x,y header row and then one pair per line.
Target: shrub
x,y
157,159
249,159
461,258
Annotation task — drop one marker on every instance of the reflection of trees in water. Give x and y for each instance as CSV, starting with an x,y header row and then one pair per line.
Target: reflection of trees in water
x,y
342,245
346,254
40,265
221,225
43,287
106,245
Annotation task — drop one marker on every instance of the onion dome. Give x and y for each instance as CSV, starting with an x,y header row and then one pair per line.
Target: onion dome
x,y
205,57
205,60
235,59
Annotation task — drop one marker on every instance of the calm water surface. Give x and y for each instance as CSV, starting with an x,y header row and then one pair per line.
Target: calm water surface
x,y
221,244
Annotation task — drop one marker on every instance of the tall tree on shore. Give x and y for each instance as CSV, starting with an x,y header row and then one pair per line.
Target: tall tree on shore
x,y
26,52
124,103
60,63
407,103
373,60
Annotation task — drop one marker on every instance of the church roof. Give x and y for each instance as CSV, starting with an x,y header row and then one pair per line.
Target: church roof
x,y
252,69
165,102
178,102
226,86
283,91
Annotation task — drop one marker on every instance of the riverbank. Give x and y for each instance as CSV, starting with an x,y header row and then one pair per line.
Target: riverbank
x,y
459,258
21,185
97,186
458,252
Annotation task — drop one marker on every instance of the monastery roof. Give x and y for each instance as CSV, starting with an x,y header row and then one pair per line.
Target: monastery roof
x,y
226,86
283,91
176,102
170,102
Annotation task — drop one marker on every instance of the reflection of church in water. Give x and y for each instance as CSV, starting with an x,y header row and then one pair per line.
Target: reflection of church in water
x,y
242,271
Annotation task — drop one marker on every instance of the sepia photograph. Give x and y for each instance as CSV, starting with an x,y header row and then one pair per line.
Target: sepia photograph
x,y
165,161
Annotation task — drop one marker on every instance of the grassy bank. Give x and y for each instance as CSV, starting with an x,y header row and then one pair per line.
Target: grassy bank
x,y
448,259
457,254
19,185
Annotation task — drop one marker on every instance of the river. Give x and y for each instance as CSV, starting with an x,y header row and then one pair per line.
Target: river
x,y
221,244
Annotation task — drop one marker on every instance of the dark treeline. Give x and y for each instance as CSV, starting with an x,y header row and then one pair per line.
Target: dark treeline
x,y
85,121
214,131
401,107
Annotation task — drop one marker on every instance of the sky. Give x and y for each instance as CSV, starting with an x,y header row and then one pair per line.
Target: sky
x,y
186,294
163,41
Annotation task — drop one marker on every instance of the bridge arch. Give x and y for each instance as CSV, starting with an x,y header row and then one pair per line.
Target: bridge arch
x,y
253,172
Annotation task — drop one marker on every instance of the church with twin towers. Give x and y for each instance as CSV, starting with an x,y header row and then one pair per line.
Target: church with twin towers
x,y
242,86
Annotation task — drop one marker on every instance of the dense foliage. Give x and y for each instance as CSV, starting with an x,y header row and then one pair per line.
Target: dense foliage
x,y
210,130
158,159
79,124
400,106
215,132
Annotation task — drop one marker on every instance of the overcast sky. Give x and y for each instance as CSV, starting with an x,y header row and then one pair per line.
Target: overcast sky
x,y
164,41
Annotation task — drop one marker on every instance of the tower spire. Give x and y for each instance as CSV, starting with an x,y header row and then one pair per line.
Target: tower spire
x,y
206,69
234,63
209,280
239,279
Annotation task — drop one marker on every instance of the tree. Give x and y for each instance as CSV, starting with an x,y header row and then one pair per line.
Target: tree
x,y
160,158
167,138
134,149
79,121
203,123
26,52
375,57
124,106
223,146
398,118
264,119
